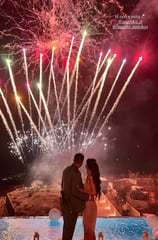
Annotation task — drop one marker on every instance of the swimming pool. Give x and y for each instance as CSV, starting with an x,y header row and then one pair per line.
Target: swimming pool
x,y
112,228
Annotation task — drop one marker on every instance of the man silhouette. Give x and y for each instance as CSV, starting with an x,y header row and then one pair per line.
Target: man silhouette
x,y
72,201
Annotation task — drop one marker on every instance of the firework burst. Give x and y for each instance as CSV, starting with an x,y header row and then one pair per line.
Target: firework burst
x,y
58,119
39,25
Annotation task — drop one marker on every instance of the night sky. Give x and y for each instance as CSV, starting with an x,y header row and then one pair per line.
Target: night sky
x,y
133,138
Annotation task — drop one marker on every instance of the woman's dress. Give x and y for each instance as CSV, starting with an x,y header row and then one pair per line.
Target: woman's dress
x,y
89,216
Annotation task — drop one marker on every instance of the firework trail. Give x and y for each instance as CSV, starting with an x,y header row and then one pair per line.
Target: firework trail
x,y
41,85
15,93
9,113
91,88
76,89
17,150
47,111
120,94
51,72
27,81
30,119
91,94
109,94
66,73
100,90
37,108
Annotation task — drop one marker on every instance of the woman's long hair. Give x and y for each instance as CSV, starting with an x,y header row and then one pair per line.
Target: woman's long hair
x,y
93,166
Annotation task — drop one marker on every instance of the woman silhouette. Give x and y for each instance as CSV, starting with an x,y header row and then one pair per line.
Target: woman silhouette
x,y
91,187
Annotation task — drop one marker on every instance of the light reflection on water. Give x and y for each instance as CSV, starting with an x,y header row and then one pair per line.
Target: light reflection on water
x,y
112,228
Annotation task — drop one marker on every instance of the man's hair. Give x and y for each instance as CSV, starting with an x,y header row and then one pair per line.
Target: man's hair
x,y
78,158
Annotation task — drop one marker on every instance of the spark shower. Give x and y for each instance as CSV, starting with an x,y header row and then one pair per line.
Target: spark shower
x,y
76,121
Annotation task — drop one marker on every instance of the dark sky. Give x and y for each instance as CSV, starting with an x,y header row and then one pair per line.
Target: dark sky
x,y
137,128
135,121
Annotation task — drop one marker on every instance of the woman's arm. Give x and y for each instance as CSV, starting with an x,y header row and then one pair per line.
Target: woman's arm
x,y
92,190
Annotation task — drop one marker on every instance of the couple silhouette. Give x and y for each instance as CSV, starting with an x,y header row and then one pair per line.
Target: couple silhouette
x,y
78,198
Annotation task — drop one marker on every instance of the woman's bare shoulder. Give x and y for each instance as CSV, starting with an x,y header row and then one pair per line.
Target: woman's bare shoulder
x,y
90,178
